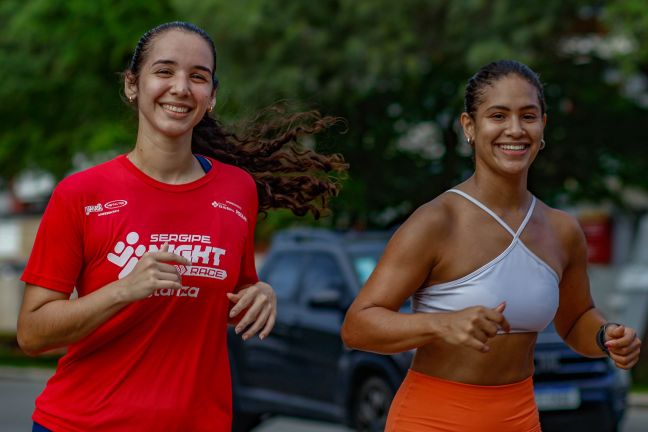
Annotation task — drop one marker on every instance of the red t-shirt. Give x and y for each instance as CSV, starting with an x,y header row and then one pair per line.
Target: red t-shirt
x,y
159,363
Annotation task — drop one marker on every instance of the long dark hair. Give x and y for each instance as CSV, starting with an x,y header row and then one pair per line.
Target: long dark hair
x,y
268,147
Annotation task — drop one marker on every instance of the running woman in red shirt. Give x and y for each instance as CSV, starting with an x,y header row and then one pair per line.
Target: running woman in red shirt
x,y
159,246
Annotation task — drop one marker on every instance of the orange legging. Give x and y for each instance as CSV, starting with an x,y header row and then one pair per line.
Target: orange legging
x,y
428,404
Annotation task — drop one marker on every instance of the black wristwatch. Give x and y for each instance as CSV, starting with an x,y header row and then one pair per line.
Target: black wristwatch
x,y
600,337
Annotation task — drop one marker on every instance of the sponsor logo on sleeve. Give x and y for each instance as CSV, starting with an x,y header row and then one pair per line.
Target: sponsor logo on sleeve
x,y
231,207
103,209
93,209
115,204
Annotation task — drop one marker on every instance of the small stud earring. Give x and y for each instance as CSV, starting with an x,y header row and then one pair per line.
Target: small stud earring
x,y
131,99
471,143
543,144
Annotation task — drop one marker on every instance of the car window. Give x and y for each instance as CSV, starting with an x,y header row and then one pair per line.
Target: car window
x,y
364,265
283,274
322,273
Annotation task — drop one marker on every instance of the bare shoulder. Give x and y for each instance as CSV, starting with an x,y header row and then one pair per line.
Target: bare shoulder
x,y
421,237
566,226
430,222
410,255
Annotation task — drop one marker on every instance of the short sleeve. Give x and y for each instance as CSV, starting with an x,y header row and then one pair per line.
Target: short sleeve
x,y
57,256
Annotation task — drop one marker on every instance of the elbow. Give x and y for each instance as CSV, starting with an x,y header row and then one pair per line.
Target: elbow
x,y
27,345
345,335
27,342
349,336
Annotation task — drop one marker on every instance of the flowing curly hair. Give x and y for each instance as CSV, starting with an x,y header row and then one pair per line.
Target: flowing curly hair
x,y
269,147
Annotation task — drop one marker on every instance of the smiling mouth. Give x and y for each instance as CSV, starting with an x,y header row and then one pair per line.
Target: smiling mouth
x,y
513,147
175,109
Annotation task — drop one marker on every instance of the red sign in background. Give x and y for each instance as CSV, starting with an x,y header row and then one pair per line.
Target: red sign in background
x,y
598,233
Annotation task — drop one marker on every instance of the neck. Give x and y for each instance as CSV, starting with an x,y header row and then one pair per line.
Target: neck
x,y
168,160
506,193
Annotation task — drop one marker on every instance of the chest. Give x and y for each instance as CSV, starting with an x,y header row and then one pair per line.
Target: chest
x,y
208,228
479,240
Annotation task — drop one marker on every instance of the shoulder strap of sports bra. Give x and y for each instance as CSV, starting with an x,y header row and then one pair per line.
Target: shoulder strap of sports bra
x,y
204,162
497,218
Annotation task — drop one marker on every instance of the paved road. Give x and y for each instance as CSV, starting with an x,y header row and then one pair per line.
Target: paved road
x,y
19,389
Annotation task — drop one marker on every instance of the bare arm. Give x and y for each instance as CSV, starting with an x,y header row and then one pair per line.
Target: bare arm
x,y
373,322
49,319
577,320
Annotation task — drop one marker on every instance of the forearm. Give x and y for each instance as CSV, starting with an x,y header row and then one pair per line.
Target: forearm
x,y
384,331
65,321
582,336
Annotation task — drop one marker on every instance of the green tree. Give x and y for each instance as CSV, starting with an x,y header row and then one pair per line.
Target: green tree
x,y
395,70
60,83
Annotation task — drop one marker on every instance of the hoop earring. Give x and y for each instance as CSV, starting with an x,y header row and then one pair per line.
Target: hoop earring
x,y
543,144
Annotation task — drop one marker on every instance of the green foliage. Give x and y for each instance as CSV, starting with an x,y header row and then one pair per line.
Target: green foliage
x,y
387,67
60,82
391,69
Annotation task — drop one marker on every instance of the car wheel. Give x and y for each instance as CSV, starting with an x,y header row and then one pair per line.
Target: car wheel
x,y
591,418
245,422
371,404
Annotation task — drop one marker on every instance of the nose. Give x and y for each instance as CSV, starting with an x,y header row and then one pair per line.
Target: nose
x,y
180,85
515,127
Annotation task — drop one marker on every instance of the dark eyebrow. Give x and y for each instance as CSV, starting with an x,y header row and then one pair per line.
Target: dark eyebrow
x,y
505,108
171,62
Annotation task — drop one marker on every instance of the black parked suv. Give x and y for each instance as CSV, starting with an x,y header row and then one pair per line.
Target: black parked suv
x,y
303,369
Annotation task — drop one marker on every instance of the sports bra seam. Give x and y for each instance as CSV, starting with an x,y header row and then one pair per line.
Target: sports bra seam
x,y
540,261
476,272
515,234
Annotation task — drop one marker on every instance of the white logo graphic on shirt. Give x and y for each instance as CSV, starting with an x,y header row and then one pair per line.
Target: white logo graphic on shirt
x,y
123,256
105,209
115,204
230,207
93,209
127,254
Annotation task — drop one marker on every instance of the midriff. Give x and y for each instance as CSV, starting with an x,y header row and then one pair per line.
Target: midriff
x,y
509,360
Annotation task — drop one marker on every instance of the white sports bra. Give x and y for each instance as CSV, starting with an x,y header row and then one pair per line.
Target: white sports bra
x,y
527,284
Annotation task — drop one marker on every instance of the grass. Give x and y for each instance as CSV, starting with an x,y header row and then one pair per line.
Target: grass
x,y
639,387
12,355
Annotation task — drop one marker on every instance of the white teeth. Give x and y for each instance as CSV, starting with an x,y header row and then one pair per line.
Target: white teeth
x,y
175,108
513,147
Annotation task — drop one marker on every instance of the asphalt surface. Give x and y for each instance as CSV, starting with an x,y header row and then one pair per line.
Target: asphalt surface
x,y
19,388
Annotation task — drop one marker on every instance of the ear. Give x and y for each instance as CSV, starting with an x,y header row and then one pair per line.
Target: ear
x,y
130,86
468,125
544,120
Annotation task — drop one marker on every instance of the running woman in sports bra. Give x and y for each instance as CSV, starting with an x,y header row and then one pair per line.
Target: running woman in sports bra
x,y
488,266
159,246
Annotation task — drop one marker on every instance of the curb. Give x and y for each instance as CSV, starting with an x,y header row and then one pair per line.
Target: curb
x,y
638,399
635,399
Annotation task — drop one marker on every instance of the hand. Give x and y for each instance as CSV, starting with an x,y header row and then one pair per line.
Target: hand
x,y
260,305
153,272
623,345
474,326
